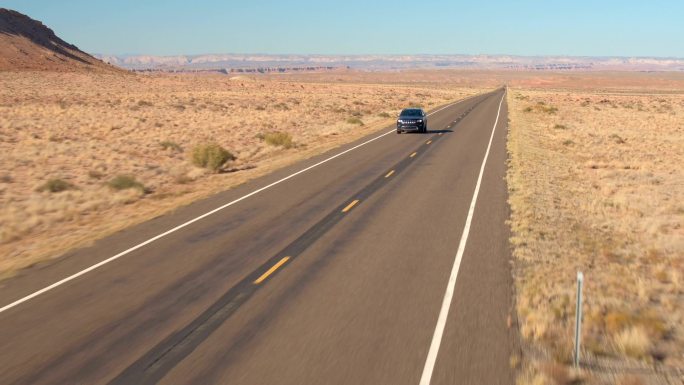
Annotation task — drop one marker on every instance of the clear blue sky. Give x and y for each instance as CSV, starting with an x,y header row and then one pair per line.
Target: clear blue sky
x,y
570,27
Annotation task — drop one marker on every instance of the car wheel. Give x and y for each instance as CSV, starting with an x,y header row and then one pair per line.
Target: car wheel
x,y
398,131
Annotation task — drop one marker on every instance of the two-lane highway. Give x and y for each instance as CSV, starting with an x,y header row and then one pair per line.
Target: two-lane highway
x,y
384,262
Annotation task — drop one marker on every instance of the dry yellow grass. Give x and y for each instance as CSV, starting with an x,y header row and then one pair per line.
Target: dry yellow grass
x,y
86,130
613,81
596,185
594,176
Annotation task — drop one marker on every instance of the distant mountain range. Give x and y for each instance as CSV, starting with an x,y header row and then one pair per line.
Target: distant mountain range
x,y
248,62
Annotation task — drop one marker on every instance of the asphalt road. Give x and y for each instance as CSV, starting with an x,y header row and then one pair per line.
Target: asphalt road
x,y
337,275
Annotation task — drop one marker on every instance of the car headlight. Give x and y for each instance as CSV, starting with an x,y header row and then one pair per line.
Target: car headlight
x,y
420,120
400,121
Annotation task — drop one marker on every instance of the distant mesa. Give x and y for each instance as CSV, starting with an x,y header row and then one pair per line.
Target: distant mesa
x,y
28,45
270,63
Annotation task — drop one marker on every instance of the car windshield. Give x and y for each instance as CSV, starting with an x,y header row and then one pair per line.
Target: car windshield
x,y
411,112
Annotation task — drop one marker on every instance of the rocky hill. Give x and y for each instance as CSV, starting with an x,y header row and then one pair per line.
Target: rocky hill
x,y
27,44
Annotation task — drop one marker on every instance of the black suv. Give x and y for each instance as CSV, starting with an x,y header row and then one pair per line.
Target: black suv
x,y
412,119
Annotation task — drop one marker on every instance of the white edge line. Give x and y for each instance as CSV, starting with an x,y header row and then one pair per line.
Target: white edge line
x,y
449,294
147,242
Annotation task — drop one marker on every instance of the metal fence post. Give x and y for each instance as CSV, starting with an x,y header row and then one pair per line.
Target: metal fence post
x,y
578,318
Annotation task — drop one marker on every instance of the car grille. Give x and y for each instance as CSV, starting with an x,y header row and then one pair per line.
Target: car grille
x,y
409,122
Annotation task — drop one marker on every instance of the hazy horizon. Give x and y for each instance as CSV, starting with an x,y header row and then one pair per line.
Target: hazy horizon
x,y
385,55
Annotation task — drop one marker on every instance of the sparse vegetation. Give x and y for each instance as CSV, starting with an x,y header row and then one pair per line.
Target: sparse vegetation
x,y
211,156
278,138
384,115
616,139
605,208
612,210
124,182
281,107
633,342
95,174
355,120
97,136
56,185
171,145
541,107
182,179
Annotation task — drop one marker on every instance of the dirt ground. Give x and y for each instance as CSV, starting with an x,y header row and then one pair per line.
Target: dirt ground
x,y
65,138
594,179
595,186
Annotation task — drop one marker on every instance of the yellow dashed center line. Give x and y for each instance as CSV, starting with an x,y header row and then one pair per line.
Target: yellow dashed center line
x,y
271,270
389,174
349,206
412,155
428,142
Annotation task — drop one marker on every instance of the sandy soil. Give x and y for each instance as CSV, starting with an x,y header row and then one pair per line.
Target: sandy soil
x,y
83,130
594,178
609,81
596,186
